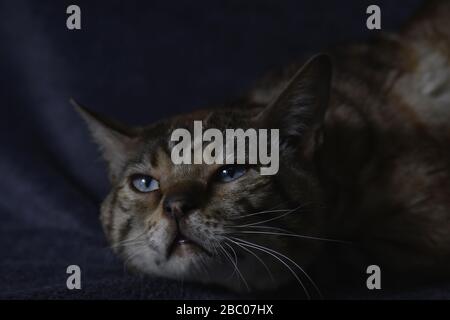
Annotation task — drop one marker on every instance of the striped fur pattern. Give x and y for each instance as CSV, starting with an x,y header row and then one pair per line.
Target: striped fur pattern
x,y
364,157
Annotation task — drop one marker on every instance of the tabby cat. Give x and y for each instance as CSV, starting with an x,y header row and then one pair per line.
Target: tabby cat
x,y
364,162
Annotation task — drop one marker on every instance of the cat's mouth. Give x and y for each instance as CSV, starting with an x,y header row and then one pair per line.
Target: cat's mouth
x,y
181,244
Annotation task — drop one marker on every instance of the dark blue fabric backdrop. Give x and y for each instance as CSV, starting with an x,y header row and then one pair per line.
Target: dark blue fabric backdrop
x,y
138,61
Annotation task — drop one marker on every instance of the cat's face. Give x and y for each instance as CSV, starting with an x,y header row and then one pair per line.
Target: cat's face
x,y
213,223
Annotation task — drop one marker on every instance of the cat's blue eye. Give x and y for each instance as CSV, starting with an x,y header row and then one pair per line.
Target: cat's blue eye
x,y
144,183
230,173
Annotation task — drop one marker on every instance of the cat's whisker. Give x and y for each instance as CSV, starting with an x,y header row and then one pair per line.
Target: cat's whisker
x,y
131,256
270,210
272,219
273,208
295,236
212,246
221,252
293,262
129,240
122,243
128,244
255,255
290,260
264,211
274,253
261,212
235,255
236,268
269,228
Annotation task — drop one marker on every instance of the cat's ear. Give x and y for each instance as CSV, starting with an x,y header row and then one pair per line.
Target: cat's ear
x,y
299,109
115,140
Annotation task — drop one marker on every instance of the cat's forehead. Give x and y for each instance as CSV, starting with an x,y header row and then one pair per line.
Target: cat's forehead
x,y
155,159
155,153
226,118
157,144
215,118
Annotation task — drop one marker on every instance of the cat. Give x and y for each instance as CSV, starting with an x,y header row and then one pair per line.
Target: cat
x,y
364,162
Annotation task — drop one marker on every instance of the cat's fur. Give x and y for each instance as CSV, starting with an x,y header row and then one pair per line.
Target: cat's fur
x,y
370,165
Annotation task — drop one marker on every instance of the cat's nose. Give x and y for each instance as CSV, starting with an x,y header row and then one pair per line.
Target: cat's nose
x,y
176,206
180,203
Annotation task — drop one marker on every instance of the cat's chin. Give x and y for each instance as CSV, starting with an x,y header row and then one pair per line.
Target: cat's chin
x,y
181,261
190,263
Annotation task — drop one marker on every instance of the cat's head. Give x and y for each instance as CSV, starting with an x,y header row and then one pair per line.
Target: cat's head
x,y
222,224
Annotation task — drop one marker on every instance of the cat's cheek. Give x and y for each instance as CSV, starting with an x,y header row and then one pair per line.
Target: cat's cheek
x,y
149,257
202,227
145,260
145,205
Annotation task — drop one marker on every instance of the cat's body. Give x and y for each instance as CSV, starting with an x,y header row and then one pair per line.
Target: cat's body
x,y
385,162
372,168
